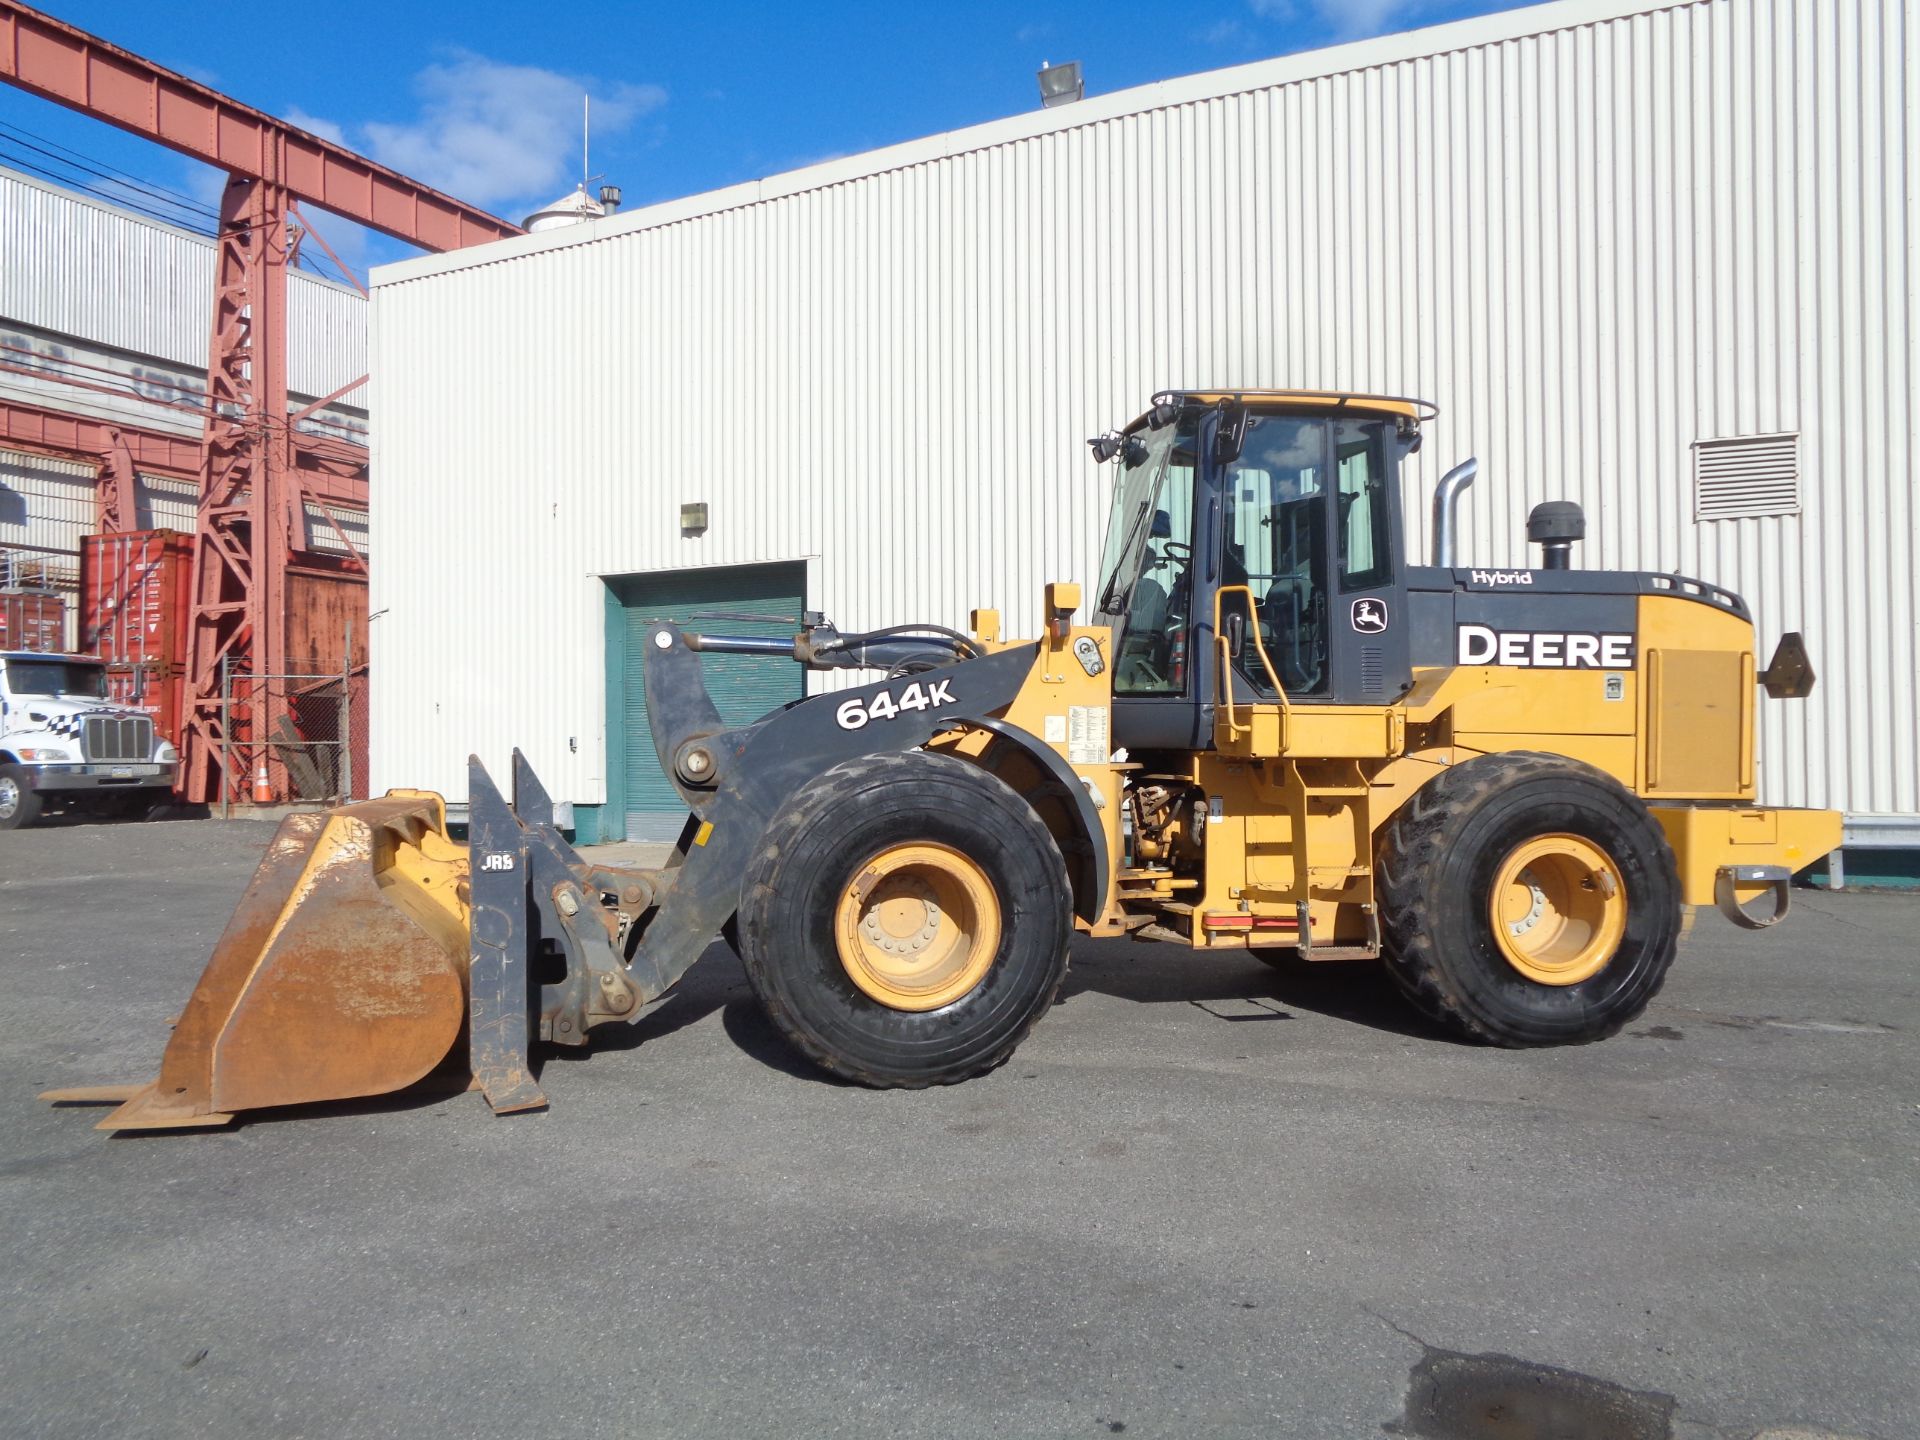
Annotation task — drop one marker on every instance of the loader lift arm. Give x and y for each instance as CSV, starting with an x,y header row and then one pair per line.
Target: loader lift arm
x,y
553,944
628,935
737,781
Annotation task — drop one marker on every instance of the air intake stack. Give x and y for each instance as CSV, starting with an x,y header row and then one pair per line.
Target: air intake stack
x,y
1555,526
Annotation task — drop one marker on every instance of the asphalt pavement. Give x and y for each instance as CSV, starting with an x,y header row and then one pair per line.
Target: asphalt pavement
x,y
1206,1198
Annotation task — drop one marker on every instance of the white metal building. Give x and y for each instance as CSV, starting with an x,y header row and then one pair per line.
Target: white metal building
x,y
105,313
1655,256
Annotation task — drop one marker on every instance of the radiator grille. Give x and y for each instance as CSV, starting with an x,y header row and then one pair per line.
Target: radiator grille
x,y
110,737
1746,477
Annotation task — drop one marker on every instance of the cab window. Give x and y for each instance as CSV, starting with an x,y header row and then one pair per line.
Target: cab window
x,y
1275,521
1361,476
1149,564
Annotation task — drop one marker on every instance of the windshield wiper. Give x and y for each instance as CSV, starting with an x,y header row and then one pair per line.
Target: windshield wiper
x,y
1107,596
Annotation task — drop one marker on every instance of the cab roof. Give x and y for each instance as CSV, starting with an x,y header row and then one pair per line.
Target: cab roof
x,y
1328,402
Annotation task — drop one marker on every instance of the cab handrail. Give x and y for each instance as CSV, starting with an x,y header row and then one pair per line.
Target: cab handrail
x,y
1224,686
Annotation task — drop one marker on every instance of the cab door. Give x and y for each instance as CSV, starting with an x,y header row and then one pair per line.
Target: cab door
x,y
1367,628
1306,551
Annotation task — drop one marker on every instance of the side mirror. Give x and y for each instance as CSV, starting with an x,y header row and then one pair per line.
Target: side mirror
x,y
1231,437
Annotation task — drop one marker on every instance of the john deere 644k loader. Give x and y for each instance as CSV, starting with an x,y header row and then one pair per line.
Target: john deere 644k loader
x,y
1276,735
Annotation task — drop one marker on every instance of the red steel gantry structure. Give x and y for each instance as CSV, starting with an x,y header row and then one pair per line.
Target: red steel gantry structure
x,y
257,470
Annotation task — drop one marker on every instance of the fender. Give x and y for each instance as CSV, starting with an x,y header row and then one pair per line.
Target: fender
x,y
1087,852
736,780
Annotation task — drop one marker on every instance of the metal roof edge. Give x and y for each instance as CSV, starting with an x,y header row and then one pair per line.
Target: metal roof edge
x,y
1519,23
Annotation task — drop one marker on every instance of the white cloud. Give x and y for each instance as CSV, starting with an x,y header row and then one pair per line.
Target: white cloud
x,y
205,184
490,132
314,125
1285,445
1225,32
1348,19
819,157
1352,19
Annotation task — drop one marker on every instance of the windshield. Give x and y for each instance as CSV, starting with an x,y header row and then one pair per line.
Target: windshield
x,y
1143,506
57,677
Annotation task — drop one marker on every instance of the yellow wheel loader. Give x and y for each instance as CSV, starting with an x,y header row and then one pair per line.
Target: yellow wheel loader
x,y
1277,735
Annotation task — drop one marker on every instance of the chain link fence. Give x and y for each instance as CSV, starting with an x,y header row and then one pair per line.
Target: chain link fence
x,y
305,735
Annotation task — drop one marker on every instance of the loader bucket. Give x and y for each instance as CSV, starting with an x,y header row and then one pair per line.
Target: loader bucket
x,y
342,973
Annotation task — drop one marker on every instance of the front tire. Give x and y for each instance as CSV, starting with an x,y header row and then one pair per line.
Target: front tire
x,y
19,801
906,921
1527,900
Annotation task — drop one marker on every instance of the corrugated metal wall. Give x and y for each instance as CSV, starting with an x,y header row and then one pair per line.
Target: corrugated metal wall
x,y
46,505
1595,233
42,501
76,267
124,304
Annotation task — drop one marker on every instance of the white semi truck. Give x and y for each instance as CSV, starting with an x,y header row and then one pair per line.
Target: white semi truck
x,y
65,745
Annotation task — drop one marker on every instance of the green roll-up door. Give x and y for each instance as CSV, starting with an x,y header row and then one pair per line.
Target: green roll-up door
x,y
734,600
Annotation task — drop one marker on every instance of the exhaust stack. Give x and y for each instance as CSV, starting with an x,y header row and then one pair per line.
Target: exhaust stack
x,y
1446,499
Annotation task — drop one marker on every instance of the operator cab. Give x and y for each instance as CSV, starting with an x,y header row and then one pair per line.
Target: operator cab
x,y
1270,518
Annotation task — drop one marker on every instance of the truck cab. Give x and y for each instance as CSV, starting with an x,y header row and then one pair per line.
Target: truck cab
x,y
65,746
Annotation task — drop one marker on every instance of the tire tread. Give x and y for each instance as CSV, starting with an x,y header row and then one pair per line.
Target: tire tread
x,y
1413,845
930,774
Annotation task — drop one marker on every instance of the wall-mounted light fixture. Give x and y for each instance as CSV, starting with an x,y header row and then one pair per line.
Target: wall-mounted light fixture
x,y
1060,84
693,519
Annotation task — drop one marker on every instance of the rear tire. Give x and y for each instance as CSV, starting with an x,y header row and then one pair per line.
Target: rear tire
x,y
906,921
19,801
1528,900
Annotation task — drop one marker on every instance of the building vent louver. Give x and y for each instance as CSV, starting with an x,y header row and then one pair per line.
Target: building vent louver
x,y
1746,476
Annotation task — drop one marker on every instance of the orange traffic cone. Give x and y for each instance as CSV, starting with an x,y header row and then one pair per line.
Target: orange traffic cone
x,y
262,787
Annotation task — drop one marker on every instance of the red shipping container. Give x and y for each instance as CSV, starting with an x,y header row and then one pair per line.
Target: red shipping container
x,y
157,690
32,620
133,596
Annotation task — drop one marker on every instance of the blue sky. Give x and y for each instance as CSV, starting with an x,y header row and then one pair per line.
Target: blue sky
x,y
483,99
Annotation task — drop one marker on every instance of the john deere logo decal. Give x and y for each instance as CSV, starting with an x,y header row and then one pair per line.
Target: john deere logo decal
x,y
1369,617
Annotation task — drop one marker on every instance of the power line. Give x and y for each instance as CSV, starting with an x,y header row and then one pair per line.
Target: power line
x,y
320,265
22,162
161,195
316,264
198,215
125,178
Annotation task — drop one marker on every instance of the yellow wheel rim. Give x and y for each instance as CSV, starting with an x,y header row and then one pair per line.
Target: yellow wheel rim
x,y
918,926
1559,909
